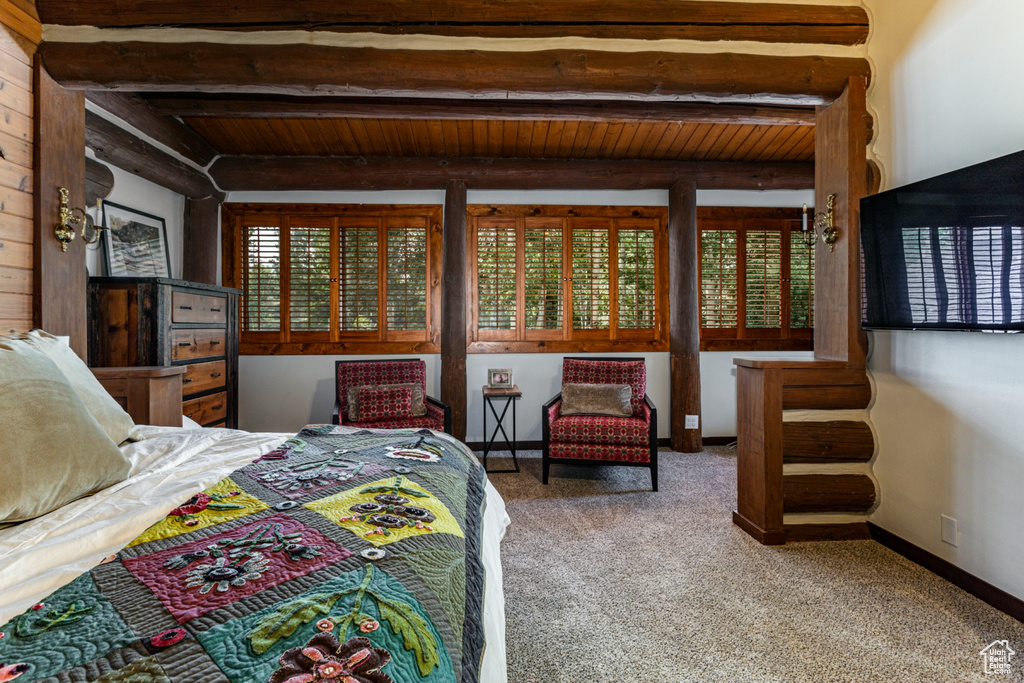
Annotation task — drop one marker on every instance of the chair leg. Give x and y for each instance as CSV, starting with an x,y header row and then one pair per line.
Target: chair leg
x,y
546,466
654,476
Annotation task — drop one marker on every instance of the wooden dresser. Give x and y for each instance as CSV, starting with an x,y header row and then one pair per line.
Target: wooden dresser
x,y
159,321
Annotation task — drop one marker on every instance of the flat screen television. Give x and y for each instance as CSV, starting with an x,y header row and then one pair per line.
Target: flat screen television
x,y
947,253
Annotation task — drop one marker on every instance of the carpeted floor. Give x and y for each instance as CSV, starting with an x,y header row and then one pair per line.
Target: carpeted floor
x,y
606,581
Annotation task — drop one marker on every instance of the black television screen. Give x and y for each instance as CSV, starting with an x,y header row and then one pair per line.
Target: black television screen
x,y
947,253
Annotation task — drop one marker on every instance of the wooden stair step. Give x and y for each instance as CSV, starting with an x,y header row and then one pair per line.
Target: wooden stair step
x,y
827,442
827,493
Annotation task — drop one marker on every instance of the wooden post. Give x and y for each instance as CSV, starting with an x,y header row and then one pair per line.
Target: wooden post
x,y
684,322
454,292
841,169
201,237
60,277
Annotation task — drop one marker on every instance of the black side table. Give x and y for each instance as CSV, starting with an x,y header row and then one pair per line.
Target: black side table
x,y
510,396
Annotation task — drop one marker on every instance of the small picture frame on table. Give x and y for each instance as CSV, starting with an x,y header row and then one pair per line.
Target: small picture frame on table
x,y
134,243
499,378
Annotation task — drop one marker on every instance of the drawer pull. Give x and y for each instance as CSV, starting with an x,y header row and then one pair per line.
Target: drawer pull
x,y
218,407
185,308
214,342
216,374
184,343
215,310
187,380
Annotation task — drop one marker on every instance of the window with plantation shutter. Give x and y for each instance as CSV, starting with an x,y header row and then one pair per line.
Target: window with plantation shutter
x,y
542,269
261,278
496,274
719,286
309,279
764,279
591,278
320,278
756,280
801,282
637,287
358,274
567,279
407,275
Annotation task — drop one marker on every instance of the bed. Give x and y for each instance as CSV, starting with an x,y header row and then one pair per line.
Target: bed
x,y
168,468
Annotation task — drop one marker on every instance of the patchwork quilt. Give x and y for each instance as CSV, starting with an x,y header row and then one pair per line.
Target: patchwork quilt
x,y
345,555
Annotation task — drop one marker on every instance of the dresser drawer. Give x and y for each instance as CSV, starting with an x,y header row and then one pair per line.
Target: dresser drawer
x,y
208,409
187,307
203,377
188,344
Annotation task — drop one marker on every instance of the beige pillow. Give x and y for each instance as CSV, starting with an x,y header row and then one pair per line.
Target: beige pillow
x,y
118,424
52,451
596,399
418,407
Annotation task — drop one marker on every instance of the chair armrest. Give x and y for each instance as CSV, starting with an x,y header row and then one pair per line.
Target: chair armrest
x,y
652,419
447,412
552,409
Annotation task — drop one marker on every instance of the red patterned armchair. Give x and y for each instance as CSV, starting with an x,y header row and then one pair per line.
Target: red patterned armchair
x,y
387,394
602,439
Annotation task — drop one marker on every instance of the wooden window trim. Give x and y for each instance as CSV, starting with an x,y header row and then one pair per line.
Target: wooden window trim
x,y
334,341
742,338
566,339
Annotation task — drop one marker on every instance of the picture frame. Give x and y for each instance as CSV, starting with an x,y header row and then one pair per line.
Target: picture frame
x,y
499,378
134,243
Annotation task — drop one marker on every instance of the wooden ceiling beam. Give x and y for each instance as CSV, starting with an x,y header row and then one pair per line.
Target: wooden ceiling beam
x,y
227,106
120,148
168,131
268,174
99,181
650,19
303,69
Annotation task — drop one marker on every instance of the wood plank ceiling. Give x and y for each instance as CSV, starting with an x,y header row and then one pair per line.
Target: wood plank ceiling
x,y
536,139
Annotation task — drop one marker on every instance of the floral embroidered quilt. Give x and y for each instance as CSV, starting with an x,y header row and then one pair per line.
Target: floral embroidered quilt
x,y
345,555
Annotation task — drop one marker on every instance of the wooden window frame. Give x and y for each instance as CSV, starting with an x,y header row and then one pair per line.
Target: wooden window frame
x,y
566,339
741,338
334,341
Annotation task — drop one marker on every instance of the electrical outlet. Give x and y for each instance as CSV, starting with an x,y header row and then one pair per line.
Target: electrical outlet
x,y
692,422
950,531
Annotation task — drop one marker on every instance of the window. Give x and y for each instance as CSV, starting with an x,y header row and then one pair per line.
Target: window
x,y
335,278
756,280
566,279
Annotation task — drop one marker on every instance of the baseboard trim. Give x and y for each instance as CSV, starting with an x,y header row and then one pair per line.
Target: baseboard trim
x,y
848,531
984,591
760,535
538,445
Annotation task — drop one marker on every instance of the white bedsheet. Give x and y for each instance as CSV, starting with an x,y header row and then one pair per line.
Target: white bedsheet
x,y
41,555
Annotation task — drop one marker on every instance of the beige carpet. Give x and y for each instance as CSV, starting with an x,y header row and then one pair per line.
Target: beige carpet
x,y
606,581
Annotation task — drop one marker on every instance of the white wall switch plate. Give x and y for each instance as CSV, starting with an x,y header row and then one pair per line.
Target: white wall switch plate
x,y
950,532
692,422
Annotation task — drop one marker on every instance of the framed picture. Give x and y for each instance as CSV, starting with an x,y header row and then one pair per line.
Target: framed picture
x,y
134,243
499,378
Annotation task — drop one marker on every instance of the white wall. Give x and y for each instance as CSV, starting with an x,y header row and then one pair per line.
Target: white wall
x,y
949,407
138,193
282,393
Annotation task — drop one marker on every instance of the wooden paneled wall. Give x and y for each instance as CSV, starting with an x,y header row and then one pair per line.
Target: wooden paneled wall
x,y
19,34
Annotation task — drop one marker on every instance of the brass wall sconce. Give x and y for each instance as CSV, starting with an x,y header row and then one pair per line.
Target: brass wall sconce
x,y
65,230
824,225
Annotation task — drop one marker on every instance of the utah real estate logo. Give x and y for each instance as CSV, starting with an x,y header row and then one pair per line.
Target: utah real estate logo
x,y
997,657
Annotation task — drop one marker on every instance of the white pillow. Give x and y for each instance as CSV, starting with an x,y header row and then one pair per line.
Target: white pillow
x,y
53,451
118,424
